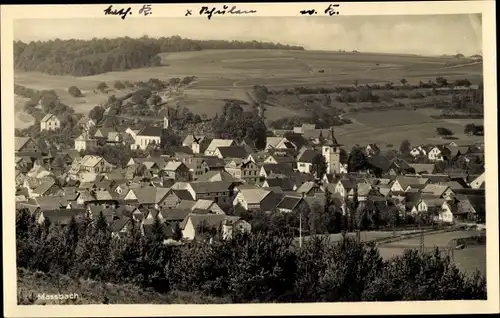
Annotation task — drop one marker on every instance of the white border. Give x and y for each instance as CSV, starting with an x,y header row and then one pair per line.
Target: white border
x,y
486,8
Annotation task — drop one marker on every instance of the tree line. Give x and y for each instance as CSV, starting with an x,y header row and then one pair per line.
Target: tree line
x,y
261,267
96,56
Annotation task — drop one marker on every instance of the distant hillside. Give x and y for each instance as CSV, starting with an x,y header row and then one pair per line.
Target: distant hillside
x,y
96,56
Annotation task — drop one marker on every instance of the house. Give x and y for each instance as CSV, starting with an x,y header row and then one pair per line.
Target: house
x,y
216,143
211,176
231,152
196,144
371,150
50,122
310,188
177,171
250,198
61,216
26,145
132,132
150,197
86,123
200,207
293,204
438,190
213,164
403,183
194,225
283,183
345,188
273,143
120,227
478,182
301,129
84,142
278,158
247,171
148,136
439,153
94,164
471,207
305,160
423,168
267,170
219,191
46,188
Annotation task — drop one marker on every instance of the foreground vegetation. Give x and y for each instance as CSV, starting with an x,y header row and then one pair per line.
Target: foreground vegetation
x,y
262,267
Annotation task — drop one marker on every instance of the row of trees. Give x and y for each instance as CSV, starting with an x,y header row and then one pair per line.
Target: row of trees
x,y
91,57
264,267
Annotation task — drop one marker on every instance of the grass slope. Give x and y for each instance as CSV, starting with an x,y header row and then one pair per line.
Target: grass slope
x,y
29,284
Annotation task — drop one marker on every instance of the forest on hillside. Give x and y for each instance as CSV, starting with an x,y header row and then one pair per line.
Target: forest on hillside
x,y
96,56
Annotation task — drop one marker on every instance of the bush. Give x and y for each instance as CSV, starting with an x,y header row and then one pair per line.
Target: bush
x,y
75,91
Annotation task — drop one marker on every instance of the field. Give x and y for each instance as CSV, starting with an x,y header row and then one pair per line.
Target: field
x,y
230,74
468,260
390,127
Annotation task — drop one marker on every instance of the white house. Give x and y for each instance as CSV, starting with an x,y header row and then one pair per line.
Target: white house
x,y
276,143
438,153
147,136
84,142
216,143
50,122
305,160
250,199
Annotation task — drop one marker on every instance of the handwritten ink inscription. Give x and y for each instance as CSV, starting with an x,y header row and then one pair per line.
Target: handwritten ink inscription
x,y
330,10
119,12
209,12
124,12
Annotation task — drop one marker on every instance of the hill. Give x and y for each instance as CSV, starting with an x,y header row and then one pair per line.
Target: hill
x,y
96,56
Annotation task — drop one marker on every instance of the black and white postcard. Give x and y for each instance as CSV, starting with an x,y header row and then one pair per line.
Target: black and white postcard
x,y
250,158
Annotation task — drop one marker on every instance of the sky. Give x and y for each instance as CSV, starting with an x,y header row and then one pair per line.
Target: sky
x,y
412,34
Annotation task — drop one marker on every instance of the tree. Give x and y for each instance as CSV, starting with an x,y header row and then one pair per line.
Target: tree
x,y
405,147
441,81
75,91
319,166
120,85
177,232
404,81
102,86
442,131
357,160
154,100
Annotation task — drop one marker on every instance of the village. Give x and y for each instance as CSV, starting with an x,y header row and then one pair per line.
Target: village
x,y
215,186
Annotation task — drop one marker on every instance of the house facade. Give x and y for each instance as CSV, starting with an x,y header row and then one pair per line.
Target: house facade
x,y
50,122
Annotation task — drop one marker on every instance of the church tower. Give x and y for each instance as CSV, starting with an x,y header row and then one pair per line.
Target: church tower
x,y
331,152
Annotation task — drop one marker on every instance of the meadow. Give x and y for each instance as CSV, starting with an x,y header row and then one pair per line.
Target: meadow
x,y
230,74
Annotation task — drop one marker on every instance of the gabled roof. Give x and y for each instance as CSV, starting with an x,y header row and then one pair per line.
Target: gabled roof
x,y
423,167
173,165
63,216
48,117
151,132
44,187
435,189
207,187
211,220
278,168
90,160
254,195
216,143
214,162
20,142
307,186
283,183
233,152
150,195
183,194
289,202
308,156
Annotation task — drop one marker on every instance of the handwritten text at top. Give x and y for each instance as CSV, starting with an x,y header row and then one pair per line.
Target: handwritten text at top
x,y
124,12
330,10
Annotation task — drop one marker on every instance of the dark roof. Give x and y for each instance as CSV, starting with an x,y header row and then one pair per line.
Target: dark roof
x,y
278,168
289,202
308,156
270,201
215,186
379,162
214,162
233,152
63,216
118,224
151,131
175,214
183,194
283,183
297,139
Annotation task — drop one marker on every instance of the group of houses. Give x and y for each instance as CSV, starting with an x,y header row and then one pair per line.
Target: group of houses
x,y
212,183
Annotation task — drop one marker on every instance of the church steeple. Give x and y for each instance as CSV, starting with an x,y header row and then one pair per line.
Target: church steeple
x,y
334,141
